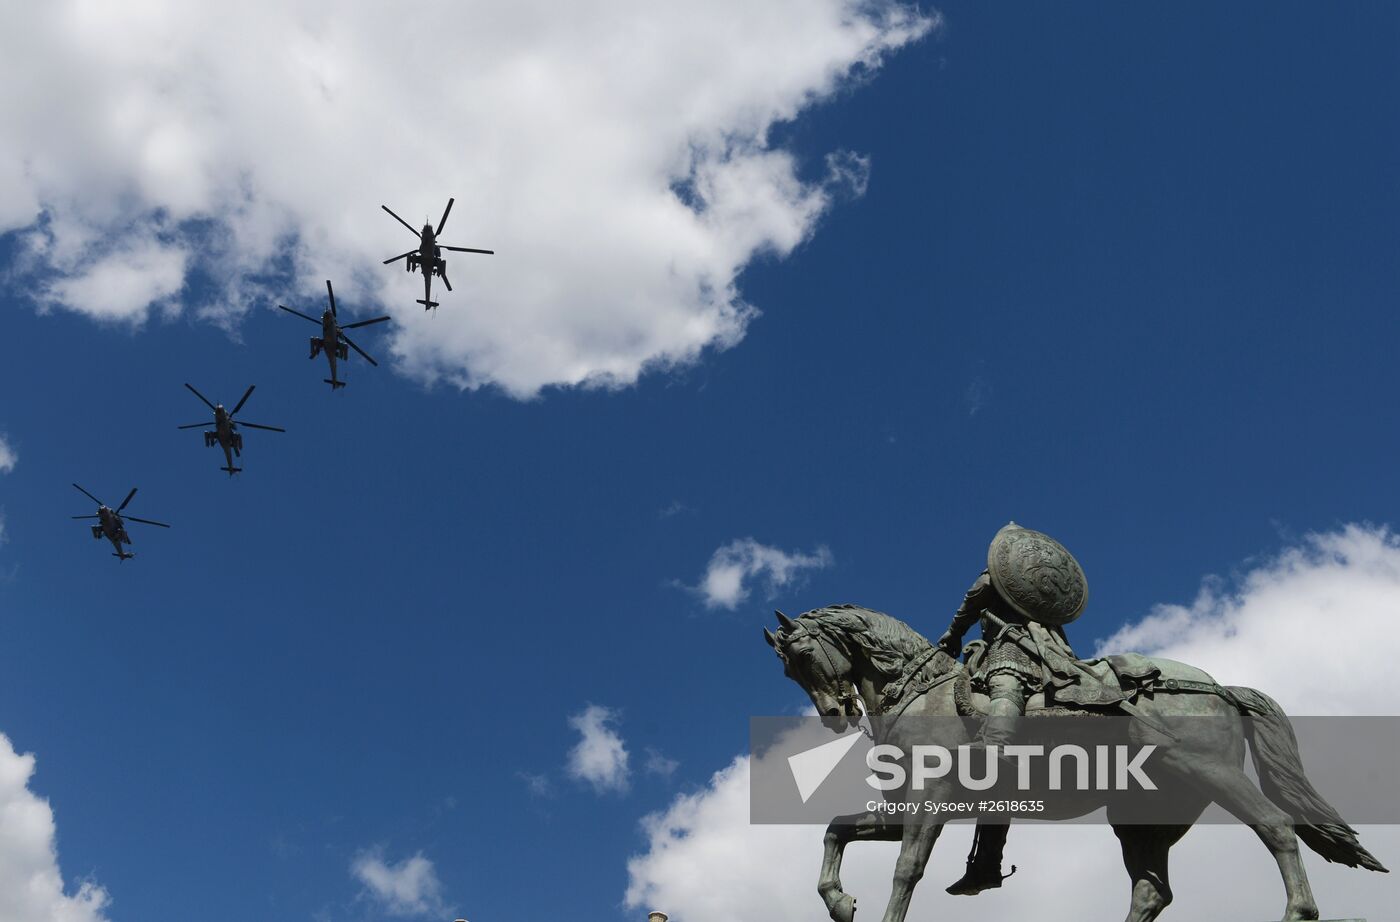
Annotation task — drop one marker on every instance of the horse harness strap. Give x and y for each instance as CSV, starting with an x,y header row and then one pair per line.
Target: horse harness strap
x,y
903,690
1191,686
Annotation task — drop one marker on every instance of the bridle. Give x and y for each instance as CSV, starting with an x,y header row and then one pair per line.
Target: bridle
x,y
845,694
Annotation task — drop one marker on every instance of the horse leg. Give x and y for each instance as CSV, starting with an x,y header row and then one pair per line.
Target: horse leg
x,y
1145,850
914,850
857,827
1230,787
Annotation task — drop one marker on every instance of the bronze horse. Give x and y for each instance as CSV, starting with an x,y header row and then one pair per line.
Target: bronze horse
x,y
846,657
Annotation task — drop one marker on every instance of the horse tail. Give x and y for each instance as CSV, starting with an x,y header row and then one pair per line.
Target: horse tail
x,y
1274,748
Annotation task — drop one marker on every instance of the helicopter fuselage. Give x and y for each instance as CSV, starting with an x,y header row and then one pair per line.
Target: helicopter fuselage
x,y
111,527
330,341
428,259
231,442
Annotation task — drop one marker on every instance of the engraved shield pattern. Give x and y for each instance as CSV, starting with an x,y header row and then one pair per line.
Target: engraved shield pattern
x,y
1037,575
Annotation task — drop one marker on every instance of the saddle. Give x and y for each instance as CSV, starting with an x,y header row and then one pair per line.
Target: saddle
x,y
1120,677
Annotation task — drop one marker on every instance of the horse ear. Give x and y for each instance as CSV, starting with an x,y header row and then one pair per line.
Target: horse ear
x,y
768,636
783,619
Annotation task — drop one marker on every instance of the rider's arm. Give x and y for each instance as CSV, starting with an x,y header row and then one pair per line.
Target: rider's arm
x,y
968,613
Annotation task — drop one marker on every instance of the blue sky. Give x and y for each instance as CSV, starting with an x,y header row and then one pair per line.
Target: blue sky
x,y
1123,274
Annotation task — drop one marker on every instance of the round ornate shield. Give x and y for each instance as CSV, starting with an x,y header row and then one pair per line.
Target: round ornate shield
x,y
1034,573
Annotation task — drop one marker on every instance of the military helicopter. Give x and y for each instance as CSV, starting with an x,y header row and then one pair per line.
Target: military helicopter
x,y
428,255
111,525
333,340
224,425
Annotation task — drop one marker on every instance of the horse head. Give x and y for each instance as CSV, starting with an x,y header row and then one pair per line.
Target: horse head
x,y
819,664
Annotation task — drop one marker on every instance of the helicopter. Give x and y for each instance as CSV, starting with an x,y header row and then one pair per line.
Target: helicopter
x,y
428,255
224,425
333,340
111,525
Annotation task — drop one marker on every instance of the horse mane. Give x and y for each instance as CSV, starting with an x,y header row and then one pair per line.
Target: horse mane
x,y
888,643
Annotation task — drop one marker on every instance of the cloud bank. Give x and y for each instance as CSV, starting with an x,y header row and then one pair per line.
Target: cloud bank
x,y
1313,627
617,155
31,885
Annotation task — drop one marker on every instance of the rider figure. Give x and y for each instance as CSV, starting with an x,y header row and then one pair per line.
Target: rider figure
x,y
1011,674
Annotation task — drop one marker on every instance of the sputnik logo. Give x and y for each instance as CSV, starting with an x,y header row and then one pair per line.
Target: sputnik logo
x,y
813,766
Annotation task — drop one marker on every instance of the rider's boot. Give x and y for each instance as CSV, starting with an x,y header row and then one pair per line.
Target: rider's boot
x,y
984,861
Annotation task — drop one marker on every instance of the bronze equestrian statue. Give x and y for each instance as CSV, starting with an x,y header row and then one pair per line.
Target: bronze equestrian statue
x,y
852,661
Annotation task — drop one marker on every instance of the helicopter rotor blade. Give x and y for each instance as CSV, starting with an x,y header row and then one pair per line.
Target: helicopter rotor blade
x,y
443,222
299,314
196,425
399,257
127,500
402,221
200,396
365,323
246,394
85,517
132,518
89,495
351,343
256,426
331,291
468,250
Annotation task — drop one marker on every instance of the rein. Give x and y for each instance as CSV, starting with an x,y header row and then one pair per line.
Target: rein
x,y
899,691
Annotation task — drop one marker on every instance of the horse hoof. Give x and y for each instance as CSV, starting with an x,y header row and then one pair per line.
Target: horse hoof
x,y
843,909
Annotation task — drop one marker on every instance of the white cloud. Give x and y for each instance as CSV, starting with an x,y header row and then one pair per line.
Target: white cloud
x,y
658,763
616,155
600,756
1314,627
408,888
8,456
123,284
31,885
736,566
